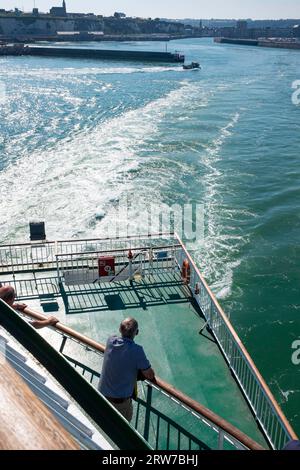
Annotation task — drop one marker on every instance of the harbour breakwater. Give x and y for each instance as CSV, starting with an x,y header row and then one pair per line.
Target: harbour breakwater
x,y
277,43
20,49
91,36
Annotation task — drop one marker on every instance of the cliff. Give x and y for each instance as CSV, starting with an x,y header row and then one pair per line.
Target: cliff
x,y
45,25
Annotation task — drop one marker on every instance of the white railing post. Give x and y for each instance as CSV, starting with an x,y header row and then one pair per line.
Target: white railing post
x,y
221,440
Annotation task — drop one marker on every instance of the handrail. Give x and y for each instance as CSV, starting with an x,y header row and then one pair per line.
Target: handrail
x,y
76,240
66,256
66,330
92,402
241,346
117,250
185,399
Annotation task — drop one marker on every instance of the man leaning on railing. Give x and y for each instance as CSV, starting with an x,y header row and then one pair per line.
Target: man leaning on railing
x,y
123,360
8,295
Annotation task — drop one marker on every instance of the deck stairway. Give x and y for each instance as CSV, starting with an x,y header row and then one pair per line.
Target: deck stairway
x,y
51,377
131,268
58,403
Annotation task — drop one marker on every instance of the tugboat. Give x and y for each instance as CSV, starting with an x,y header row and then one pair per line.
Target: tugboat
x,y
191,66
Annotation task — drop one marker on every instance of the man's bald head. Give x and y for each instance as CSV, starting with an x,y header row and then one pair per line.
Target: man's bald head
x,y
129,328
7,294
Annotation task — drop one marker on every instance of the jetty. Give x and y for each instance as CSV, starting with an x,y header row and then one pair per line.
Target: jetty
x,y
104,54
12,49
281,43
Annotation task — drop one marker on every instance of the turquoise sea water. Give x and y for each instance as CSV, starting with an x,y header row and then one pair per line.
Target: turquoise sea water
x,y
76,135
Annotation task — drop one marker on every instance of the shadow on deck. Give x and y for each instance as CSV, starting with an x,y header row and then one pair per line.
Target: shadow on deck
x,y
162,289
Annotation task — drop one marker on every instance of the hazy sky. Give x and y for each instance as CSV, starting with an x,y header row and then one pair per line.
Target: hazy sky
x,y
172,8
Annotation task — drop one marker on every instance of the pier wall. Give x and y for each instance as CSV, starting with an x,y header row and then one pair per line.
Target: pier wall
x,y
108,54
104,54
277,43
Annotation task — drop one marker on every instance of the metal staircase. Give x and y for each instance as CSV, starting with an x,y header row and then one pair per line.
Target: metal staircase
x,y
133,267
66,412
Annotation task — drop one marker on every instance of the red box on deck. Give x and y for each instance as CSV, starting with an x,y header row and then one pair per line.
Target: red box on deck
x,y
106,266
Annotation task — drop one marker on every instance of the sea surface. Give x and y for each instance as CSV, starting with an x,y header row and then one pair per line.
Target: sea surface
x,y
76,136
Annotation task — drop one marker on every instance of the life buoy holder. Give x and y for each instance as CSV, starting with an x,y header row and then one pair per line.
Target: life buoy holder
x,y
186,271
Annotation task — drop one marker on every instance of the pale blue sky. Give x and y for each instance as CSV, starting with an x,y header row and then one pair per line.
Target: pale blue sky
x,y
173,8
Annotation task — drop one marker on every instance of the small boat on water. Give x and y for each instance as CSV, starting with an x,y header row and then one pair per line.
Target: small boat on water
x,y
192,65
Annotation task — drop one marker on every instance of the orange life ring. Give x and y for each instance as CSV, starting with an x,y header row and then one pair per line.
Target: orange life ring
x,y
186,271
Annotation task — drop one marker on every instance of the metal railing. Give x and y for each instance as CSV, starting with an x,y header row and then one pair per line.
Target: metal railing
x,y
84,253
36,256
82,267
164,416
26,257
265,408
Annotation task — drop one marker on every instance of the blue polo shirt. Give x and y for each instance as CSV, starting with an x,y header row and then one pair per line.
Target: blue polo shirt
x,y
122,360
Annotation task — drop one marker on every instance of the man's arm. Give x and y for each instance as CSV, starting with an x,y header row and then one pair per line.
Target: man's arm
x,y
144,365
149,374
38,324
19,307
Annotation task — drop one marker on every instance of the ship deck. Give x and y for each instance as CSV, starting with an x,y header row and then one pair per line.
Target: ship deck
x,y
169,323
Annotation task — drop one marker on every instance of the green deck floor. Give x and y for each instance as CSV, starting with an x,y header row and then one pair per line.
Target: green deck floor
x,y
169,324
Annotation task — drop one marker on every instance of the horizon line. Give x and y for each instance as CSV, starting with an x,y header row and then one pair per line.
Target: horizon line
x,y
177,18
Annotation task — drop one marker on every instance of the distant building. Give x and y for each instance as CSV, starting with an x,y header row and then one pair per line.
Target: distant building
x,y
200,28
296,31
68,33
35,12
119,14
59,11
241,28
226,32
242,25
188,30
80,15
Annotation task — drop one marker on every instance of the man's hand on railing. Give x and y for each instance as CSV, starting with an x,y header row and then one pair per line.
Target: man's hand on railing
x,y
52,321
19,307
38,324
148,374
